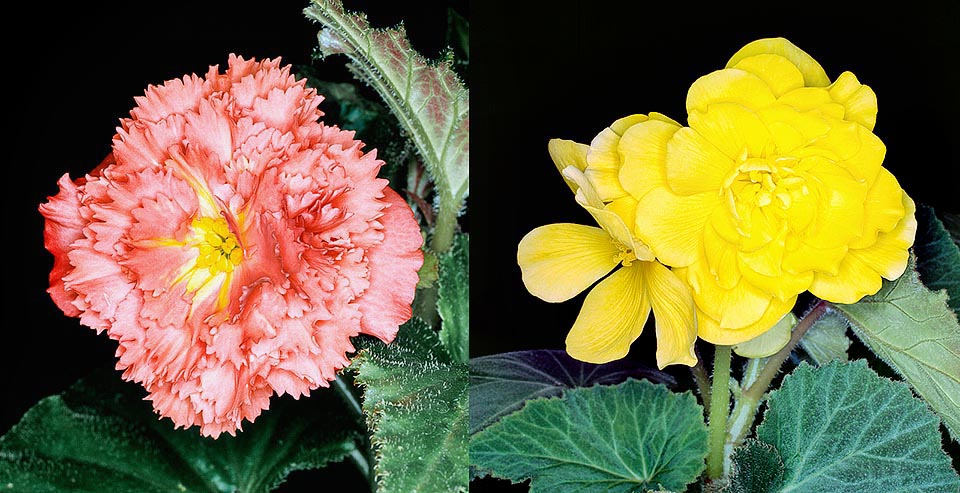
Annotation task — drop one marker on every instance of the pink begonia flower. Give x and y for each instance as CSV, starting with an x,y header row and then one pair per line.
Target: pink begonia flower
x,y
232,244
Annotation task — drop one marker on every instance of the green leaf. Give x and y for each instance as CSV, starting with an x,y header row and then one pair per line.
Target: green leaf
x,y
415,400
428,99
454,302
624,438
501,383
938,258
827,339
914,331
101,432
842,427
757,468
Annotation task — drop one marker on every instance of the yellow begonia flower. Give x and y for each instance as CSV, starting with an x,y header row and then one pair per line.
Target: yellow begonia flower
x,y
774,188
559,261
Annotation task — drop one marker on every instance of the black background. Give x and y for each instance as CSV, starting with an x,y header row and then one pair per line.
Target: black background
x,y
569,70
71,73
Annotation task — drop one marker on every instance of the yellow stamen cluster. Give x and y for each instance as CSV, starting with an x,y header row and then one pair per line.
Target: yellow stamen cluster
x,y
219,249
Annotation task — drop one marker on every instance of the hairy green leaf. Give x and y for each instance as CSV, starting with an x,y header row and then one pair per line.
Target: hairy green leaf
x,y
842,427
415,400
454,302
624,438
938,258
757,468
428,99
501,383
100,435
827,340
914,331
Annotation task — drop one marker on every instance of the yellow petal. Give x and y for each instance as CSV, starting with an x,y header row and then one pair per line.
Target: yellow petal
x,y
622,124
840,211
626,208
810,257
664,118
858,100
603,160
673,225
779,73
813,99
732,129
853,281
721,257
769,342
843,139
813,74
859,273
558,261
865,163
644,151
709,329
729,85
883,207
739,306
612,318
568,153
784,286
694,165
889,255
790,128
586,194
673,310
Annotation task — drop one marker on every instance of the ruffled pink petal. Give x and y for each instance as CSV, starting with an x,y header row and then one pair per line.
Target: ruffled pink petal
x,y
393,271
63,226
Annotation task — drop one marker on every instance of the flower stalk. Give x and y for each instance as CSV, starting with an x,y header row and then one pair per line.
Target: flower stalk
x,y
719,407
757,376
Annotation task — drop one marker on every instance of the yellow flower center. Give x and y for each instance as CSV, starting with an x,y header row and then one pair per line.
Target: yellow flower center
x,y
626,256
772,190
219,249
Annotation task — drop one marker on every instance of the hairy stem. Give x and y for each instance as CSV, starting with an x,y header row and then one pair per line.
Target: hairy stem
x,y
744,410
445,226
719,407
757,376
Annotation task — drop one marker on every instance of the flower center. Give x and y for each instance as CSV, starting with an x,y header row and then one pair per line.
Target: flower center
x,y
219,249
767,196
762,183
626,256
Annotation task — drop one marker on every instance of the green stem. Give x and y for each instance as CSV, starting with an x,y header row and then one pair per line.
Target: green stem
x,y
719,407
357,456
757,376
444,229
348,396
445,225
744,411
360,460
772,367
